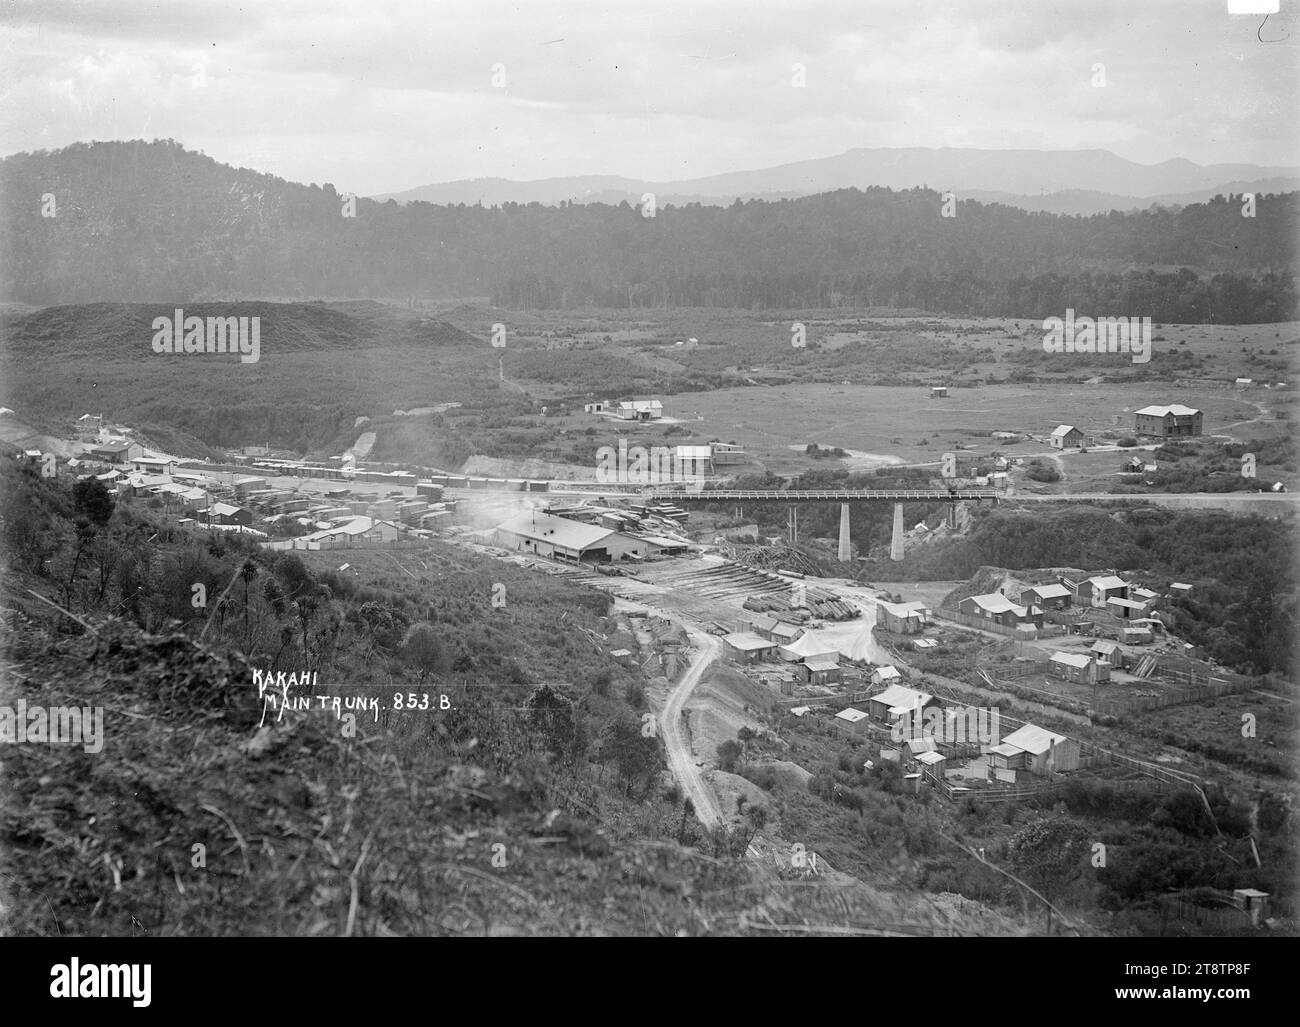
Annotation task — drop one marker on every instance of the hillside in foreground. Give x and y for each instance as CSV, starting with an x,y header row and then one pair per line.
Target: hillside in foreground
x,y
532,804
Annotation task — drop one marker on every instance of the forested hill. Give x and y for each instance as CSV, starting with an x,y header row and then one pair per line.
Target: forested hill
x,y
153,222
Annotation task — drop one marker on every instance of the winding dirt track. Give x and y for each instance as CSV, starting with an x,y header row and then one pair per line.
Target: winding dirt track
x,y
680,758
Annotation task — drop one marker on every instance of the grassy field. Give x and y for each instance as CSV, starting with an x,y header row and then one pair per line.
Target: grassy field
x,y
860,383
903,423
1215,727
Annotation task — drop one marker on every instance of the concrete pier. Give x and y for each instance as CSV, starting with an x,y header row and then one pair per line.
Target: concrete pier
x,y
896,541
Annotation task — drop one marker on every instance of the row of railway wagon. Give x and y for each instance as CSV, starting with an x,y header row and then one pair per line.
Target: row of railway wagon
x,y
399,478
461,481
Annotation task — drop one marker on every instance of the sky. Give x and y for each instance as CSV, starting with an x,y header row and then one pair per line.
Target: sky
x,y
384,95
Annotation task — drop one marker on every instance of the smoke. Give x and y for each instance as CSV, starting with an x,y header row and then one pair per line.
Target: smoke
x,y
483,511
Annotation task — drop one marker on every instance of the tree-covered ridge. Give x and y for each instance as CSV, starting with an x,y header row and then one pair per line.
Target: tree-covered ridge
x,y
153,222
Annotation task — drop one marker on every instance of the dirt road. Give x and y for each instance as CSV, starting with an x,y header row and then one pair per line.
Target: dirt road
x,y
680,758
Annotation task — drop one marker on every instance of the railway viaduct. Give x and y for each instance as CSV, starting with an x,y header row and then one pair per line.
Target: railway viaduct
x,y
955,498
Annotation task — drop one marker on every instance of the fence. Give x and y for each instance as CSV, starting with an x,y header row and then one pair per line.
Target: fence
x,y
1277,683
1219,919
1141,704
1094,756
824,700
988,624
1091,756
959,793
1196,688
1014,671
1069,615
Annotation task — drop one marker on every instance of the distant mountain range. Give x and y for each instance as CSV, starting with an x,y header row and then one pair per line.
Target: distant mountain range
x,y
1057,181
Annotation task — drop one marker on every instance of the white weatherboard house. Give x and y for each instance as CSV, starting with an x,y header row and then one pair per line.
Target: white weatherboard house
x,y
819,670
902,618
851,719
1168,421
897,701
1100,589
749,647
640,409
1078,667
885,675
1066,436
1036,750
1049,597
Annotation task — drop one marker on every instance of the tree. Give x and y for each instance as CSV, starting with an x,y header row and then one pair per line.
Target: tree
x,y
1050,854
688,811
312,599
274,595
106,552
293,574
85,535
247,572
93,501
635,755
421,649
554,716
378,621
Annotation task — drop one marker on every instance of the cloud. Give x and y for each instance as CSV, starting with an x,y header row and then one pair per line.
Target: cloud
x,y
393,93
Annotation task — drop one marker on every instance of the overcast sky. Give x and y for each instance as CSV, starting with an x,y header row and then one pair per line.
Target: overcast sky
x,y
384,95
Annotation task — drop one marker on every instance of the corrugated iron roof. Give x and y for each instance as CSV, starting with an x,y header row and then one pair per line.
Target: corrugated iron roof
x,y
904,610
1033,739
747,641
558,531
902,697
1176,409
998,603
